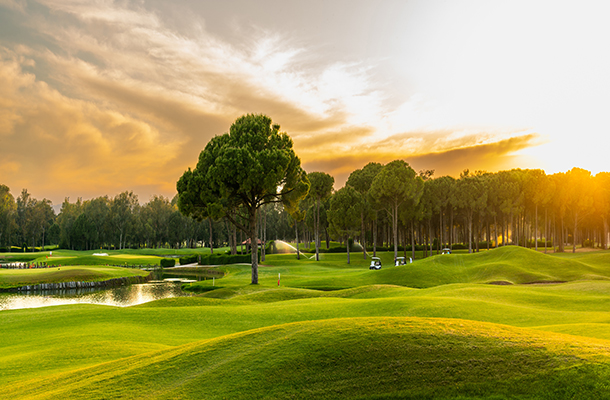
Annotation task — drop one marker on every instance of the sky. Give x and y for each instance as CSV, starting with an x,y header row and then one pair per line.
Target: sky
x,y
100,97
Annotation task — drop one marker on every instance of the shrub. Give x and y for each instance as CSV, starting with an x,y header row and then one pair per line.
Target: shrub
x,y
189,259
167,262
223,259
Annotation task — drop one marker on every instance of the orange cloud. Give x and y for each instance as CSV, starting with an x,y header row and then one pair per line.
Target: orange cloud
x,y
120,101
62,145
490,156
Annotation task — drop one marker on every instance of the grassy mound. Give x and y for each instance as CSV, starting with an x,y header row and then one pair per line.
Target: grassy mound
x,y
350,358
508,265
11,278
432,329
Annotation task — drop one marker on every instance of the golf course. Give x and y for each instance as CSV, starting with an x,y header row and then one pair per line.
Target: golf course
x,y
504,323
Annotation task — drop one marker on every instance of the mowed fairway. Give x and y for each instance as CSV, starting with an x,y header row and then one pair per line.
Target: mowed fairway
x,y
433,329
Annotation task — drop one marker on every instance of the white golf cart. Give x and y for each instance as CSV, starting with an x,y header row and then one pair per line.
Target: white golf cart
x,y
446,250
375,263
400,261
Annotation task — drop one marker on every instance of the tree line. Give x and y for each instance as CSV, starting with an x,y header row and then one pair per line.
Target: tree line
x,y
517,207
386,206
117,222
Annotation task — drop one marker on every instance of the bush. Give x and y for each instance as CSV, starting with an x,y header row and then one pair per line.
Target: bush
x,y
418,247
221,259
167,262
190,259
224,259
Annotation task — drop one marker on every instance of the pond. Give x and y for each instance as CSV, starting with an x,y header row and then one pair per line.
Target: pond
x,y
122,296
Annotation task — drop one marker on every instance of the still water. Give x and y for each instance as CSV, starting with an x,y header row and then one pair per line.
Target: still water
x,y
122,296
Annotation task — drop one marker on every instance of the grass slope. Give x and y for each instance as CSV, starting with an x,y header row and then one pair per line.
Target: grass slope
x,y
508,265
349,358
431,329
39,342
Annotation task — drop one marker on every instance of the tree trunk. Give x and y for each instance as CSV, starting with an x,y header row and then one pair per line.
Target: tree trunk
x,y
546,235
488,232
536,227
211,244
424,241
404,242
363,235
469,217
430,234
495,231
375,236
317,229
451,229
229,238
296,234
605,237
574,233
440,242
395,226
347,243
561,239
254,244
478,235
412,240
234,233
264,235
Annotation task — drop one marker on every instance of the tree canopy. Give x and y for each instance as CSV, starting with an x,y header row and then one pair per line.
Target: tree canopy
x,y
240,171
321,188
395,184
344,215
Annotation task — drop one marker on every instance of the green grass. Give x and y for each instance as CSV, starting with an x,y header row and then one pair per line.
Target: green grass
x,y
508,265
432,329
116,257
11,278
347,358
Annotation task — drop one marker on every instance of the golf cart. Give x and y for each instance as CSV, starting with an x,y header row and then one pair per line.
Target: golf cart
x,y
375,263
446,250
400,261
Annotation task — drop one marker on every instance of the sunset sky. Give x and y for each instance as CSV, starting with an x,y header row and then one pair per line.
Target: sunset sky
x,y
99,97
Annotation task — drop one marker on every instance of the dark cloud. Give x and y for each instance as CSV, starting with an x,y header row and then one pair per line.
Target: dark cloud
x,y
491,157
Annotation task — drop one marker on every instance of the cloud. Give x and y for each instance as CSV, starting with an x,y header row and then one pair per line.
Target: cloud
x,y
64,144
493,157
17,5
113,98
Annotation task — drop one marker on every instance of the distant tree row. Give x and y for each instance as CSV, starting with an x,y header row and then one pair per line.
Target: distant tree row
x,y
517,207
118,223
388,206
25,221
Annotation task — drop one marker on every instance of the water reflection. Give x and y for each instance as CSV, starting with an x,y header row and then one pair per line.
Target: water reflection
x,y
122,296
